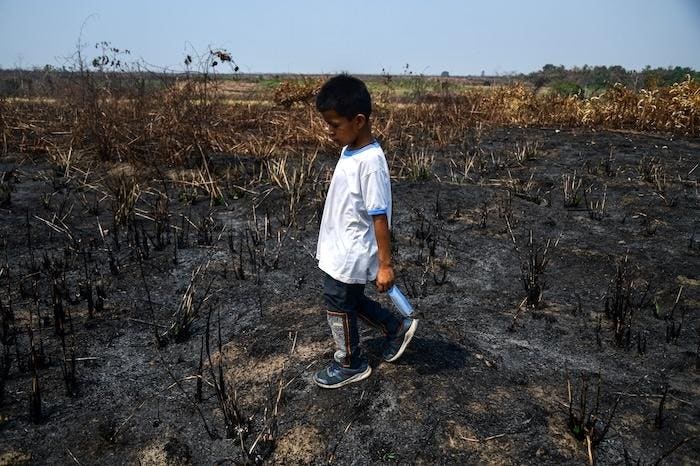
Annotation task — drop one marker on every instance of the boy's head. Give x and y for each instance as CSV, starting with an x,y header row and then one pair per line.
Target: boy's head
x,y
345,94
346,105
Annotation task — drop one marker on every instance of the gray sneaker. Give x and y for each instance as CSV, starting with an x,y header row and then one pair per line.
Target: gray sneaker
x,y
335,376
397,345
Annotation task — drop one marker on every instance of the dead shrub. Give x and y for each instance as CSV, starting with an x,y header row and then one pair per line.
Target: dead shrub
x,y
573,194
585,419
290,92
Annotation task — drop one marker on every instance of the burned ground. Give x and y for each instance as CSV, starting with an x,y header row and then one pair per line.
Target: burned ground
x,y
488,375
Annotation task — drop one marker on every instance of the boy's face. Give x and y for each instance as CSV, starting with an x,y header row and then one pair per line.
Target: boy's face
x,y
342,130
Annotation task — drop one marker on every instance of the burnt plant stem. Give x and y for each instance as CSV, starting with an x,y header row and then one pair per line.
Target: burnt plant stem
x,y
87,287
212,433
233,420
35,413
668,452
200,368
159,343
175,248
30,246
533,263
68,363
238,270
584,424
658,420
59,315
608,422
188,309
622,299
101,295
5,363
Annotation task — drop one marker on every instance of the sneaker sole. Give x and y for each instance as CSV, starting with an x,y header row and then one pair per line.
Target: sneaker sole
x,y
406,340
354,378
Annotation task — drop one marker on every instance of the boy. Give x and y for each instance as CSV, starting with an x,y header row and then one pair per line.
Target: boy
x,y
354,242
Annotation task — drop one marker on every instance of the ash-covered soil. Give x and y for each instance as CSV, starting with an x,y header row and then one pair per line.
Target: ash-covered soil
x,y
483,382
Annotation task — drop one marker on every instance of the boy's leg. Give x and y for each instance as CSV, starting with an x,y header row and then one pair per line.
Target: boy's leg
x,y
378,316
398,332
349,365
346,337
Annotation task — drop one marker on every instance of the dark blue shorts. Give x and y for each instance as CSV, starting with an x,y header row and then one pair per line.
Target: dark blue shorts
x,y
343,297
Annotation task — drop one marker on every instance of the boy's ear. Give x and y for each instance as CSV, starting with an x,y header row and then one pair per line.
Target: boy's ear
x,y
359,120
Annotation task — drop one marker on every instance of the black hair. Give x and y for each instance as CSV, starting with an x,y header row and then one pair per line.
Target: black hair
x,y
345,94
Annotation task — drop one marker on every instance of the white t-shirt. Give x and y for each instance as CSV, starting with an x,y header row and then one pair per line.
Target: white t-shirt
x,y
360,188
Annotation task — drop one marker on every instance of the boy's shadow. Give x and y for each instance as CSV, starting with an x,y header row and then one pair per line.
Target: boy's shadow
x,y
427,355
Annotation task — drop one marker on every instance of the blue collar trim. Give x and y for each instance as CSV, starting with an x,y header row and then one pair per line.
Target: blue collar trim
x,y
350,152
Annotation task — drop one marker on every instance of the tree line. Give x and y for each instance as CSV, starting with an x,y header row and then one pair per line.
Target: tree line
x,y
592,79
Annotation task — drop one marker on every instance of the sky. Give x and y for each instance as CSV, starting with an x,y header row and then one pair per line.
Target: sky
x,y
359,36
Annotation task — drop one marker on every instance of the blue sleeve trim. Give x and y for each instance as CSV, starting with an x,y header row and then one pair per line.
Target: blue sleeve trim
x,y
377,211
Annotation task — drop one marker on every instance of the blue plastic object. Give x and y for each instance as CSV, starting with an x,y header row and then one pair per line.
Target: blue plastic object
x,y
400,301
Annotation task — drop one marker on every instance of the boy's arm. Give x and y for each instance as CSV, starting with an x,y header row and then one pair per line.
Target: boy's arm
x,y
385,274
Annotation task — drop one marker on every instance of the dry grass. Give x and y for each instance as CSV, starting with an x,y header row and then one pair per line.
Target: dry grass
x,y
190,116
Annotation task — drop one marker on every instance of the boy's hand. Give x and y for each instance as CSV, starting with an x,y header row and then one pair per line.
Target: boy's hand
x,y
385,278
